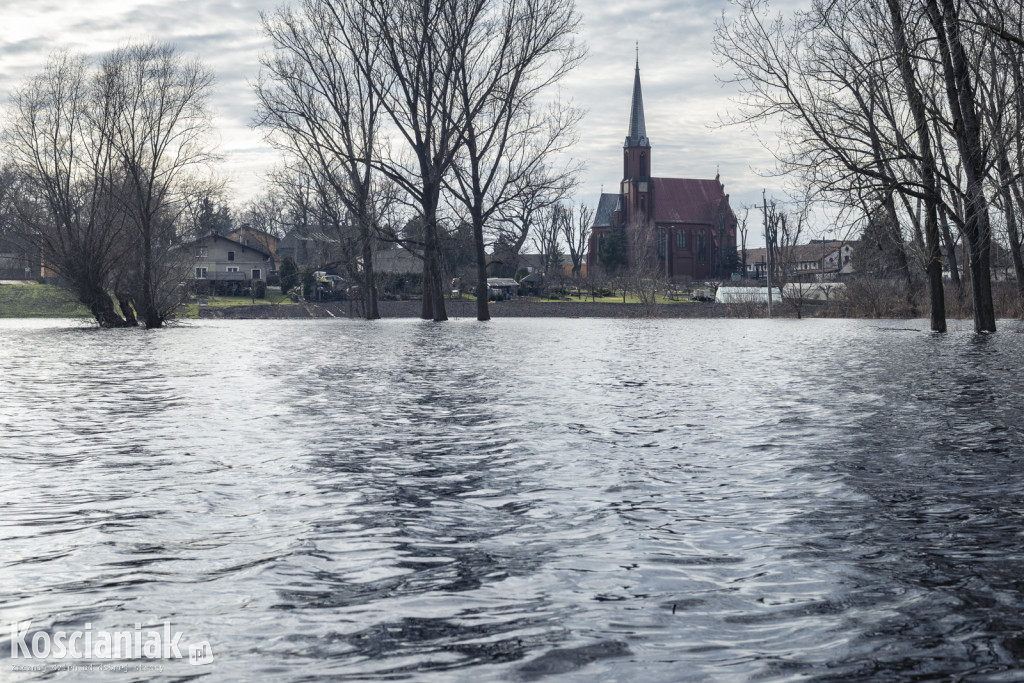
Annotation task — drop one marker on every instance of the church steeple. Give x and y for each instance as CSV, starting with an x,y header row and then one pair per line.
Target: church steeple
x,y
637,128
636,162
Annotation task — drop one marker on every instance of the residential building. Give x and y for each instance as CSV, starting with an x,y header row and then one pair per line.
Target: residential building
x,y
820,260
252,237
228,266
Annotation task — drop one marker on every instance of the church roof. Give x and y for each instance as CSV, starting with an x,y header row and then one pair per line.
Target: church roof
x,y
604,216
637,136
688,200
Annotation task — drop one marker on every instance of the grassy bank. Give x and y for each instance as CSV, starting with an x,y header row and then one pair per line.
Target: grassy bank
x,y
51,301
39,301
191,309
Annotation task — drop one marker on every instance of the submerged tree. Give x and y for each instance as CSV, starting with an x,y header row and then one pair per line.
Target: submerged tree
x,y
105,157
864,93
316,104
158,132
516,50
69,179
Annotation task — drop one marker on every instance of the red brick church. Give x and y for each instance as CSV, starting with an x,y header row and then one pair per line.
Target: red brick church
x,y
684,227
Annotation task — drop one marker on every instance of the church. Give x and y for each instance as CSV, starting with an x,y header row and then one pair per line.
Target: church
x,y
682,227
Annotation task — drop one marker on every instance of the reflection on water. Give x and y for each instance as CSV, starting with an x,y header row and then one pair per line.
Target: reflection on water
x,y
592,499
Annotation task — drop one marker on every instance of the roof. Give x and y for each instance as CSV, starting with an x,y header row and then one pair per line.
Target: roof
x,y
604,216
801,252
215,237
689,200
534,261
501,282
637,136
249,228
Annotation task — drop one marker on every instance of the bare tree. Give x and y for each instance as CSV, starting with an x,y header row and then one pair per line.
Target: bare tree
x,y
157,125
576,233
68,175
644,274
408,52
782,234
742,229
517,49
316,103
546,239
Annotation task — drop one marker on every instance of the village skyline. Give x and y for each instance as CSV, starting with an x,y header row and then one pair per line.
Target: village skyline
x,y
682,95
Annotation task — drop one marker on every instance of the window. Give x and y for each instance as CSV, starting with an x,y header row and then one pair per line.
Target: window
x,y
256,273
231,256
201,252
662,243
232,269
680,239
201,273
700,246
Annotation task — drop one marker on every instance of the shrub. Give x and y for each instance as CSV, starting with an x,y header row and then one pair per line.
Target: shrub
x,y
289,274
259,289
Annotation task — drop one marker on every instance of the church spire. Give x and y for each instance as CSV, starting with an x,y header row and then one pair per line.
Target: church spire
x,y
637,128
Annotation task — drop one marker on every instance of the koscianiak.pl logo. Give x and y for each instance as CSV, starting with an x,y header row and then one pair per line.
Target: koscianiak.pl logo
x,y
87,644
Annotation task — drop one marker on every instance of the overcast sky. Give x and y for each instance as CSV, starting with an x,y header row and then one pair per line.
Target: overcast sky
x,y
682,97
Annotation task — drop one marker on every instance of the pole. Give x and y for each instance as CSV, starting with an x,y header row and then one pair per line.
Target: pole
x,y
767,252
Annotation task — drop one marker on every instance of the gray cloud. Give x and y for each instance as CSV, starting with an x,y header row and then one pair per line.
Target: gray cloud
x,y
683,99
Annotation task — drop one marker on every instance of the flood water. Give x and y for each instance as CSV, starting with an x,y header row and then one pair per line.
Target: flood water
x,y
551,499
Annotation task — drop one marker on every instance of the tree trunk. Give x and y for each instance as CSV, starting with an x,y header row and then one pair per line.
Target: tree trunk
x,y
482,307
933,255
370,309
150,314
1012,228
951,258
427,305
967,130
102,308
124,301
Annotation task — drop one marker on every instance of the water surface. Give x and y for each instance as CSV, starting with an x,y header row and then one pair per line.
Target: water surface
x,y
586,500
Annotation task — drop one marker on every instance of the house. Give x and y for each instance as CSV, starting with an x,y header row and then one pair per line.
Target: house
x,y
309,247
225,266
19,260
682,228
253,237
502,288
820,260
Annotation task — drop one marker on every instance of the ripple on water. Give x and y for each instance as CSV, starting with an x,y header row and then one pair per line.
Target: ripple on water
x,y
581,499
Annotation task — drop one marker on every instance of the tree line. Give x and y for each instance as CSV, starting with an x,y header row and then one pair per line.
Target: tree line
x,y
906,114
403,121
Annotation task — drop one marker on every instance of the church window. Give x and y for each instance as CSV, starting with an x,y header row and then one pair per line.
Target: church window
x,y
662,243
701,256
680,239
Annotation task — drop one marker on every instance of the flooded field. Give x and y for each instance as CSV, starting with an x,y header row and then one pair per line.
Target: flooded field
x,y
655,500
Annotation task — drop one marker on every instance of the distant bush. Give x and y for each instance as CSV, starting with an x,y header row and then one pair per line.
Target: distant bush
x,y
259,289
305,276
603,291
289,274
